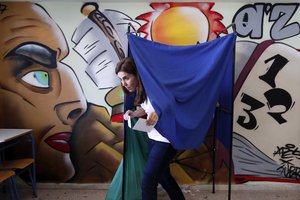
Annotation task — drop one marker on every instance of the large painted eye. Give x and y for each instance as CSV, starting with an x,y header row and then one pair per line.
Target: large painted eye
x,y
37,78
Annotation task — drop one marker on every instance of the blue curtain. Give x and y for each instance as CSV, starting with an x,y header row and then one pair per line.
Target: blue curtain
x,y
184,85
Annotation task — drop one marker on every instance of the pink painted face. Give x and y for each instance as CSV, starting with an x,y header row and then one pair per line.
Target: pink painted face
x,y
129,81
38,90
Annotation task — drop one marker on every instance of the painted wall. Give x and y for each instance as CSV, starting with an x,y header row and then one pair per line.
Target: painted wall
x,y
57,77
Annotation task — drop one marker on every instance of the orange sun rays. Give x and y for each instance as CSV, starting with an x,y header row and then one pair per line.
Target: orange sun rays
x,y
181,23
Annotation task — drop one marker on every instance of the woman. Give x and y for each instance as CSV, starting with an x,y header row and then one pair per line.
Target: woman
x,y
160,151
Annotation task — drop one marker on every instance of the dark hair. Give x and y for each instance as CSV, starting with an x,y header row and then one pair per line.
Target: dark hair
x,y
127,65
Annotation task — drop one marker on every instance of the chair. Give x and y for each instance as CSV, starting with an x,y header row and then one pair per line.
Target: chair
x,y
8,161
7,177
21,165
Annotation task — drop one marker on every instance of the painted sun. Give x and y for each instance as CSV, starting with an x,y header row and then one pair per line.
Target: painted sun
x,y
181,23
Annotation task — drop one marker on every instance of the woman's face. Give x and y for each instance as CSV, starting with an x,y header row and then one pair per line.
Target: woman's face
x,y
129,81
38,91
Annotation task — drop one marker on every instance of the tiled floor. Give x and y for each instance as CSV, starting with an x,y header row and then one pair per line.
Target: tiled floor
x,y
97,192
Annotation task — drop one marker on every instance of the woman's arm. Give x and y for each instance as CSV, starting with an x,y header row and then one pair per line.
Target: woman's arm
x,y
152,117
137,113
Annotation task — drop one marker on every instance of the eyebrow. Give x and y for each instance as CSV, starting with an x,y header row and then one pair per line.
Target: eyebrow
x,y
124,77
36,53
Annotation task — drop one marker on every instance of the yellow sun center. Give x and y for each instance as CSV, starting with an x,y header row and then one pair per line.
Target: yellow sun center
x,y
180,26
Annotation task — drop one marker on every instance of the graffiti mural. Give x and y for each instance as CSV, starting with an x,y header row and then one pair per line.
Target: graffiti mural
x,y
266,131
249,20
195,23
101,41
38,90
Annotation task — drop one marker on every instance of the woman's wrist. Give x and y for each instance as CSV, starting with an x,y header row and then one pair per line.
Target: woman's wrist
x,y
139,112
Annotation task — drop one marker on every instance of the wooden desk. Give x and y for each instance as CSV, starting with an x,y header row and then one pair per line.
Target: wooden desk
x,y
7,135
12,137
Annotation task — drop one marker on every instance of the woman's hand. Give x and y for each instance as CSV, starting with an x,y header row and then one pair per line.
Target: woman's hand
x,y
152,118
128,113
137,113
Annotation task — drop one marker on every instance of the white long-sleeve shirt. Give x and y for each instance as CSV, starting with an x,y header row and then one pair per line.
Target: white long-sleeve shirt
x,y
153,134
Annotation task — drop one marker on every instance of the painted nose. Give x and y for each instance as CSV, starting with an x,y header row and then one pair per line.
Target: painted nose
x,y
72,103
70,112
